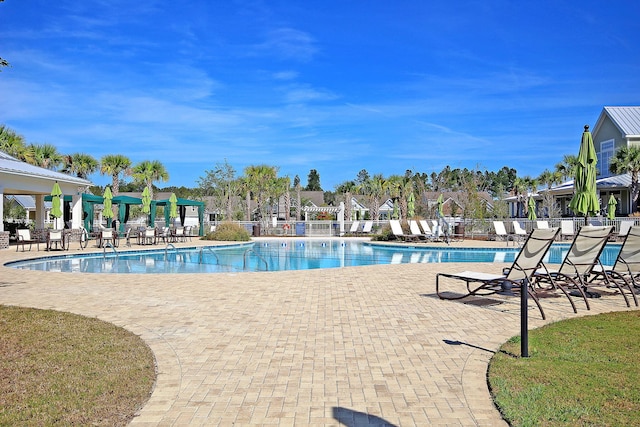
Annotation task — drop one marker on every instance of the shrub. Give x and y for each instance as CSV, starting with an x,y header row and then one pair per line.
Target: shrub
x,y
384,235
230,232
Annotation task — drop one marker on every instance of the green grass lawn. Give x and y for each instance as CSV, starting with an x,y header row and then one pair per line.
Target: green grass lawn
x,y
63,369
581,372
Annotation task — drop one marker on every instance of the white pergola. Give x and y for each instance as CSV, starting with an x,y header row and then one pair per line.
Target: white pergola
x,y
20,178
339,210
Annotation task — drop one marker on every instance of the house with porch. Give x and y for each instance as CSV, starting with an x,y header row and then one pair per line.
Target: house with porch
x,y
616,127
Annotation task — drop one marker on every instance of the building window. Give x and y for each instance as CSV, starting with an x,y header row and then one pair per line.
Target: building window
x,y
604,158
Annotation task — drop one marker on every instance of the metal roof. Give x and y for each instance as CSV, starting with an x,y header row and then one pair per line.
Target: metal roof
x,y
27,202
13,166
627,119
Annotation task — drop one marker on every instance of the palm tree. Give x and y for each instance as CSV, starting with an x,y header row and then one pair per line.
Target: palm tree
x,y
347,188
259,179
567,167
394,186
114,165
374,188
519,188
12,143
43,155
549,179
147,172
298,188
627,160
80,164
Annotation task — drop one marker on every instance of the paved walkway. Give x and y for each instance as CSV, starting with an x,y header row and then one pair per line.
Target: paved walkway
x,y
357,346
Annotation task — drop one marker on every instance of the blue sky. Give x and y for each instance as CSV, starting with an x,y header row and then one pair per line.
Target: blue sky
x,y
336,86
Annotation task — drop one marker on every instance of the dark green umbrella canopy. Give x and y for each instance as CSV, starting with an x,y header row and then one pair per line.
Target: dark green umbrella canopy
x,y
532,209
611,207
585,200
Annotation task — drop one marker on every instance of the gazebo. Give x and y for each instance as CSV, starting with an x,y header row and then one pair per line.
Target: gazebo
x,y
21,178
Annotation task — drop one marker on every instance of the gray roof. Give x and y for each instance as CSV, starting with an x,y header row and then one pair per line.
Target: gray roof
x,y
616,181
627,119
28,202
11,165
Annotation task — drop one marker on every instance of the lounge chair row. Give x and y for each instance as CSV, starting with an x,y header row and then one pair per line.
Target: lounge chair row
x,y
567,230
416,233
579,271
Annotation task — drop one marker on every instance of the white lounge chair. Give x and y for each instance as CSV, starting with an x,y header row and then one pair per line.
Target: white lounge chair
x,y
519,231
396,229
415,230
425,227
542,224
354,227
625,226
367,227
501,232
566,229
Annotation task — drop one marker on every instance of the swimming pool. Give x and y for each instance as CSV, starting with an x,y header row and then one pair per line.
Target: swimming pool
x,y
279,256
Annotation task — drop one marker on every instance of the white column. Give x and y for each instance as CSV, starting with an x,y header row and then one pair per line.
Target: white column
x,y
1,208
341,218
76,211
40,211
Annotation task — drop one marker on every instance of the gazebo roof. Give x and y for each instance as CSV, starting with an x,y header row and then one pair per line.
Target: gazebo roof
x,y
19,177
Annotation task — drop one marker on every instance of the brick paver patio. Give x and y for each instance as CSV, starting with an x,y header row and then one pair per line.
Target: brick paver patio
x,y
356,346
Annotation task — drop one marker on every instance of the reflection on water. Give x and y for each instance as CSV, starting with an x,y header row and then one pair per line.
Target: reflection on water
x,y
284,255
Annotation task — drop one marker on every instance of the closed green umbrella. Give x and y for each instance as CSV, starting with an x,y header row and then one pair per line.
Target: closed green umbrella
x,y
532,209
411,205
107,212
440,203
396,211
173,206
585,200
56,202
611,207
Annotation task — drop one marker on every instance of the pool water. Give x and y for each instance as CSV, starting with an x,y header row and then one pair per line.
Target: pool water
x,y
280,256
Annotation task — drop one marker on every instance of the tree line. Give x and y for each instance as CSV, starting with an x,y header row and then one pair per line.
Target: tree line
x,y
231,195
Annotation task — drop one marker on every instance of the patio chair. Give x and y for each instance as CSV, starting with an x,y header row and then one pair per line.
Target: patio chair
x,y
396,229
354,227
165,234
107,236
566,229
514,280
414,228
577,265
149,236
501,232
55,237
188,228
625,272
127,237
179,234
23,237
